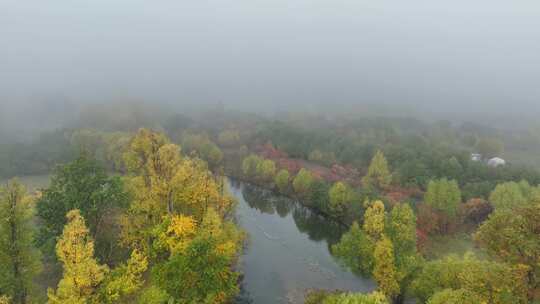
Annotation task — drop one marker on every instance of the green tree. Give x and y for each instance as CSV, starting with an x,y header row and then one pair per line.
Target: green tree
x,y
384,270
401,229
19,260
282,180
513,237
340,195
493,282
443,195
356,298
153,295
229,138
124,280
302,182
199,275
199,269
451,168
450,296
84,185
378,175
507,195
250,165
355,250
266,170
201,146
315,155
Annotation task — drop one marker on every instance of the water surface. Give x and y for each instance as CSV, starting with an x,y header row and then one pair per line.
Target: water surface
x,y
288,249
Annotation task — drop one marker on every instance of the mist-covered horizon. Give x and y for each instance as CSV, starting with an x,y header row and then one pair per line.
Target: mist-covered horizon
x,y
445,58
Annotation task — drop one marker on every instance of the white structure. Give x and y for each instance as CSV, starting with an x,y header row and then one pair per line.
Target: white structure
x,y
476,157
496,162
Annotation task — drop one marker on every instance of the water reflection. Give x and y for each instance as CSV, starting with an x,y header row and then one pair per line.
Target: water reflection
x,y
317,227
288,249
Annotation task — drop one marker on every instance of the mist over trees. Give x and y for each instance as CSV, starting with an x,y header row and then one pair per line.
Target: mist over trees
x,y
395,142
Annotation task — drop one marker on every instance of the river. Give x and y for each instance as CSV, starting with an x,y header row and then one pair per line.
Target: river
x,y
287,251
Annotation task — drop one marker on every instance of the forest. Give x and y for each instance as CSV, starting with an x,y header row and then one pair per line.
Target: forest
x,y
269,152
137,209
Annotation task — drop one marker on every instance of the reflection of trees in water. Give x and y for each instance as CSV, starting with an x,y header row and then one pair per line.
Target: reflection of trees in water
x,y
283,205
243,296
258,198
235,184
316,226
266,201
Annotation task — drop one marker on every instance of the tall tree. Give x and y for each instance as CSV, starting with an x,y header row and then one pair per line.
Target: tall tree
x,y
266,170
282,180
374,219
250,165
355,250
84,185
513,236
82,274
443,195
340,195
401,229
508,195
378,175
84,280
302,182
199,267
19,260
492,282
384,270
163,182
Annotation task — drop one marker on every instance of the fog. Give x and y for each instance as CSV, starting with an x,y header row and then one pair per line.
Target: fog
x,y
441,57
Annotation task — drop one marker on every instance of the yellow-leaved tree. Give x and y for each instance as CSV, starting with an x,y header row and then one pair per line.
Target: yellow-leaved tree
x,y
163,182
374,219
82,274
84,280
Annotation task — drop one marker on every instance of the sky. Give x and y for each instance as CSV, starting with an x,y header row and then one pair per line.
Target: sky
x,y
454,56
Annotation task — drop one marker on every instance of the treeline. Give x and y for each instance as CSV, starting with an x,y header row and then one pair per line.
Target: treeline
x,y
386,237
38,156
418,152
159,233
